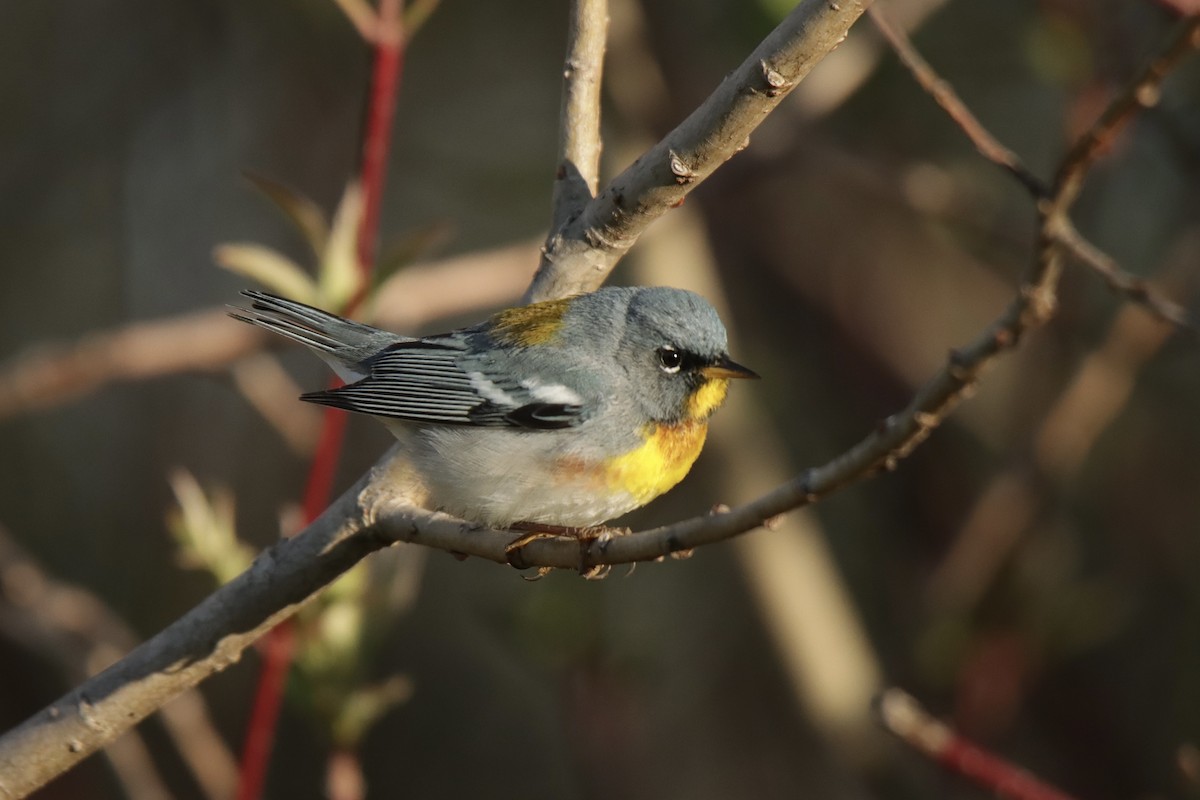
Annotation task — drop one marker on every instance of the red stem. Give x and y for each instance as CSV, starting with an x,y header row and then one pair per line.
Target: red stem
x,y
377,139
998,775
901,714
276,652
279,644
320,475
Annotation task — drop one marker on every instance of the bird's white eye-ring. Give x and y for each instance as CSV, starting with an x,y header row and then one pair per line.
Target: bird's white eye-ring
x,y
669,359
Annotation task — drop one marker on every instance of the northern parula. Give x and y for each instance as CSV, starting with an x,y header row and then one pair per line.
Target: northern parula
x,y
566,412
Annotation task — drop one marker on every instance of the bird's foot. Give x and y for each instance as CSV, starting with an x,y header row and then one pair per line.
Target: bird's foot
x,y
585,536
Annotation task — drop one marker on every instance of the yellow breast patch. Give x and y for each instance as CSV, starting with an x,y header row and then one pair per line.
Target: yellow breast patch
x,y
534,324
660,463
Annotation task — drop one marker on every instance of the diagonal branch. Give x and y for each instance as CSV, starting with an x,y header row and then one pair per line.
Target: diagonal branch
x,y
578,256
1142,93
943,93
76,631
55,373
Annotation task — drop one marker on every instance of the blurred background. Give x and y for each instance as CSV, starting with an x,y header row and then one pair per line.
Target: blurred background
x,y
1030,574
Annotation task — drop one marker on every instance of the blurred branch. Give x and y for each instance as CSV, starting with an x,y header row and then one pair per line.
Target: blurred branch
x,y
578,256
903,716
943,93
372,514
50,374
802,598
79,634
1134,289
268,387
361,16
1090,401
1142,93
578,172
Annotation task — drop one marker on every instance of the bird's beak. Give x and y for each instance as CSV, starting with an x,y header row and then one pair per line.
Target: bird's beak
x,y
724,367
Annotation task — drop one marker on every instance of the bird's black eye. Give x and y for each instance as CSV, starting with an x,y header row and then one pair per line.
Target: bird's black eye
x,y
669,359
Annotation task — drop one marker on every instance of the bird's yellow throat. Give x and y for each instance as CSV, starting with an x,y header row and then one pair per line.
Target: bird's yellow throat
x,y
670,449
708,398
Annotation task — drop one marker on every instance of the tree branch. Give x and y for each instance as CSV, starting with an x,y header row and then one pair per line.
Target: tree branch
x,y
1063,231
579,144
49,374
55,373
78,632
578,256
207,639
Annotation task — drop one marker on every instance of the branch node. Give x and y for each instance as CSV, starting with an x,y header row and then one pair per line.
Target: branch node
x,y
1148,96
87,716
776,82
959,365
682,172
926,420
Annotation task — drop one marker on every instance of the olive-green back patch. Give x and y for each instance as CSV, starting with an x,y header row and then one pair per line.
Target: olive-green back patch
x,y
534,324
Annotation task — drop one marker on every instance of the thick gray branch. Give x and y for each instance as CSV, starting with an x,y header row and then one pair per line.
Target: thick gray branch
x,y
206,640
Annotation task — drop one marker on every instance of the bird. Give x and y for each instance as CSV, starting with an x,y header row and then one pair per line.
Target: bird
x,y
561,414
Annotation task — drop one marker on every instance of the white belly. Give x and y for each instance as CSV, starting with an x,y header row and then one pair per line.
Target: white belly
x,y
500,476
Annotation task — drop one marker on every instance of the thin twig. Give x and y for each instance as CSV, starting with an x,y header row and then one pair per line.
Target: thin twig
x,y
1132,287
903,716
1142,93
579,143
941,91
361,16
49,374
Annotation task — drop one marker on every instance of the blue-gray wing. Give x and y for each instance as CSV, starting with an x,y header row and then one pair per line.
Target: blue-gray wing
x,y
437,380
